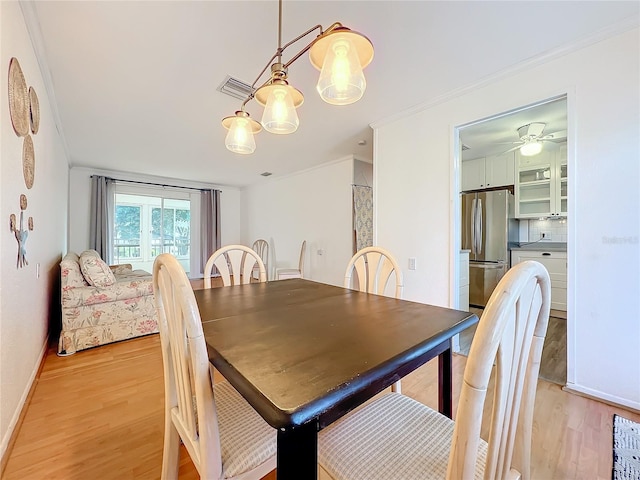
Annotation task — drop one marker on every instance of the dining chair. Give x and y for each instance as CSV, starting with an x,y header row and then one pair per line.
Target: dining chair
x,y
235,264
261,247
224,435
373,267
396,437
283,273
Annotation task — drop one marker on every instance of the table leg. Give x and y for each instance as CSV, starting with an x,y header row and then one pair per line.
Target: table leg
x,y
298,453
445,381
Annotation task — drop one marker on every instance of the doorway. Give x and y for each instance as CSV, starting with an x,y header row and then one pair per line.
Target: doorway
x,y
522,153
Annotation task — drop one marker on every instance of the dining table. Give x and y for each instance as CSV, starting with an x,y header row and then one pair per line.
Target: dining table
x,y
304,353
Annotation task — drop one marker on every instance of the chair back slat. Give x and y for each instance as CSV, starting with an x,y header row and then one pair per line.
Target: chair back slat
x,y
510,333
235,264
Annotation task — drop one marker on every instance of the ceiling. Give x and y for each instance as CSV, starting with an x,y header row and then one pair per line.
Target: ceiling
x,y
135,82
496,135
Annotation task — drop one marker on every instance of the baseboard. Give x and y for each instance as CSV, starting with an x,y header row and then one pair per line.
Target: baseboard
x,y
612,400
16,422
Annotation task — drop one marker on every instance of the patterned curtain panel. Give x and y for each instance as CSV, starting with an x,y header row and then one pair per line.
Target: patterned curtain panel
x,y
363,216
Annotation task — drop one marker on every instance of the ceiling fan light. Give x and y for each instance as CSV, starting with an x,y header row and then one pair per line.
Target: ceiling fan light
x,y
530,149
240,137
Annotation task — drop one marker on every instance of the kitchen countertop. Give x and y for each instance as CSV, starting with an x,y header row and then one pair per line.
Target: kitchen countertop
x,y
541,246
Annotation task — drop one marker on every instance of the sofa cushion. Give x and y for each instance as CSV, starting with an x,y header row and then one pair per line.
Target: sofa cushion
x,y
131,288
96,272
71,273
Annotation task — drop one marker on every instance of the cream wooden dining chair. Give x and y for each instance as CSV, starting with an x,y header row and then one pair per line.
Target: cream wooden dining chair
x,y
261,247
373,268
235,264
224,435
283,273
396,437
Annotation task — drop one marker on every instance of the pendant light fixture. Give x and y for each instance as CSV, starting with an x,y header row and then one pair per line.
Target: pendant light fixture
x,y
338,52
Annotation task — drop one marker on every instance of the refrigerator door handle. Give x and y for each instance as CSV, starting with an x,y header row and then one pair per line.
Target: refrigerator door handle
x,y
473,226
478,220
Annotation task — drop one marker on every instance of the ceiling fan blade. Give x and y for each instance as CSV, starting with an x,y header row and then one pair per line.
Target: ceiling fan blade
x,y
535,129
560,134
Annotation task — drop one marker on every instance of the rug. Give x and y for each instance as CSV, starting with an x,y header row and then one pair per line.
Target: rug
x,y
626,449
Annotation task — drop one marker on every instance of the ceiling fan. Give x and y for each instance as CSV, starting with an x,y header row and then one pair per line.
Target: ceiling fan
x,y
531,138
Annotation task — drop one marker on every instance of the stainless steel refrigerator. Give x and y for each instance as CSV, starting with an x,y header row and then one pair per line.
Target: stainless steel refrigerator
x,y
489,230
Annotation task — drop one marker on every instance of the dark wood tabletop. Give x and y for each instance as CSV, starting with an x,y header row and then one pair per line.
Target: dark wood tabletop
x,y
304,353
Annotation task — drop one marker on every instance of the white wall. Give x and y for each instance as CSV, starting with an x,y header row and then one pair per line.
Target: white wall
x,y
26,300
79,196
313,205
362,173
415,181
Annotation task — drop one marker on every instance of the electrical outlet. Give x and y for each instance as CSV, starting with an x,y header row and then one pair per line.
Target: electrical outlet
x,y
545,235
412,263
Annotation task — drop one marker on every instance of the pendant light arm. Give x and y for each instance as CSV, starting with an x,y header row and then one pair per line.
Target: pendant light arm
x,y
306,49
275,55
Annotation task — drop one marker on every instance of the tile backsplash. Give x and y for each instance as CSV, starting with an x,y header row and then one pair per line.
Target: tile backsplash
x,y
555,230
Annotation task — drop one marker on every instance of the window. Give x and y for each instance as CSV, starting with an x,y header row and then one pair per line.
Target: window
x,y
146,226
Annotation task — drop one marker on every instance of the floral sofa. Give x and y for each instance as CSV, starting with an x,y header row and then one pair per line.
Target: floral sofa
x,y
102,304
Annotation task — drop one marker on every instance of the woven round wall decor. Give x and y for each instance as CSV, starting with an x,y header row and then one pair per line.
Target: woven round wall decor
x,y
18,99
34,111
28,161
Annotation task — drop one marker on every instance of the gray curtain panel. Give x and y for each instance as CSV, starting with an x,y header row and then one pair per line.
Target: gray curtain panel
x,y
101,217
209,225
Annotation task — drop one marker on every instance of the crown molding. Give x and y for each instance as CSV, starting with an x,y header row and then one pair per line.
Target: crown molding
x,y
35,33
599,36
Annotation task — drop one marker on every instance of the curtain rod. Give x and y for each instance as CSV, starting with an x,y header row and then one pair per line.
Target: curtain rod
x,y
156,184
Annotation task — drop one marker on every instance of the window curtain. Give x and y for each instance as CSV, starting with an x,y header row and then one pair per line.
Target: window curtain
x,y
101,217
209,224
363,216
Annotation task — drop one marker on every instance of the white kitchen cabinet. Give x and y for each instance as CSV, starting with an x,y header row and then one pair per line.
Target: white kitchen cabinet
x,y
556,264
541,183
488,172
463,303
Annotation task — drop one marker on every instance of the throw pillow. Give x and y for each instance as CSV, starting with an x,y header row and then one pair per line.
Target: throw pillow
x,y
70,271
96,272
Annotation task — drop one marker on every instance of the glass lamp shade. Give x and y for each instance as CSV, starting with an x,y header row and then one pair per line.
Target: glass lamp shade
x,y
240,138
280,114
530,149
344,54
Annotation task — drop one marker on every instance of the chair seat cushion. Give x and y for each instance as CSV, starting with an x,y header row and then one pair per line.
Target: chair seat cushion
x,y
246,440
393,437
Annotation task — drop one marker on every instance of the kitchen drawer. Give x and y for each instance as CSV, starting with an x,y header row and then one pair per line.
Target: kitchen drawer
x,y
464,298
556,264
464,268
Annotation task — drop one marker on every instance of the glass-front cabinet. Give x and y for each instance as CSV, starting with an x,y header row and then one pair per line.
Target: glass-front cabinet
x,y
541,184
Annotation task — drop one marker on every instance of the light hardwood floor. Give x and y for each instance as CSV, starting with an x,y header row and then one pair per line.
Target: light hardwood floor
x,y
553,364
98,415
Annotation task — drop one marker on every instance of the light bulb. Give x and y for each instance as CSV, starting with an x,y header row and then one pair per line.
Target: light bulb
x,y
340,71
280,114
239,138
531,148
341,79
